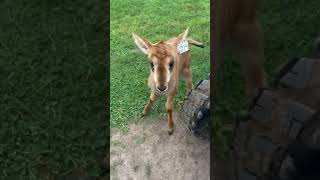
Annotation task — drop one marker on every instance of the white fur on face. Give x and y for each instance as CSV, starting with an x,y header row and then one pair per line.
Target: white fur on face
x,y
155,74
169,74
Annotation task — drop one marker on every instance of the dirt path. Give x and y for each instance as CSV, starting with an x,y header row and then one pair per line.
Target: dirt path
x,y
148,152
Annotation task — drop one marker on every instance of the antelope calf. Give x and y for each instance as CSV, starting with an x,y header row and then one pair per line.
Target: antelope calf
x,y
236,25
168,59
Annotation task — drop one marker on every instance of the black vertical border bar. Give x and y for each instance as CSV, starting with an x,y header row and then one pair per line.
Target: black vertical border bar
x,y
213,57
107,47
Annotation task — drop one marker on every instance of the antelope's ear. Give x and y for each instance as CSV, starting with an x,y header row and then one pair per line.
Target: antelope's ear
x,y
184,34
143,44
175,41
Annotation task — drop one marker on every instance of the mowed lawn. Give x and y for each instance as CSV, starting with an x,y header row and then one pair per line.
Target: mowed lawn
x,y
52,87
155,20
289,28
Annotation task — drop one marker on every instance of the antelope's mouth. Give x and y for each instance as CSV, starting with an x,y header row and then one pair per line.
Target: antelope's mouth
x,y
162,88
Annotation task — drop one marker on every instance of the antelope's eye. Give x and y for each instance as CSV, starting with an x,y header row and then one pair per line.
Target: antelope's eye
x,y
152,66
171,65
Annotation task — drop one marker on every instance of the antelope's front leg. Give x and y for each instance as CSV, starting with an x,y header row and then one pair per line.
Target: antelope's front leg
x,y
169,107
153,97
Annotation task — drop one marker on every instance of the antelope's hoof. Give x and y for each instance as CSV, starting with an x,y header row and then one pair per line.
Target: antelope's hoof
x,y
143,114
170,130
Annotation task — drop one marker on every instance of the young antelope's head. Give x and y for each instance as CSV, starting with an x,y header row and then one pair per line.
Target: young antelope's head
x,y
162,58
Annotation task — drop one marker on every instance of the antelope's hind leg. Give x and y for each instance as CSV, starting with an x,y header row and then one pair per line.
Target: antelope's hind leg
x,y
252,54
187,73
153,98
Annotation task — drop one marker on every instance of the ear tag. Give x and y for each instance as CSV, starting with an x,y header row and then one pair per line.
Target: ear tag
x,y
183,46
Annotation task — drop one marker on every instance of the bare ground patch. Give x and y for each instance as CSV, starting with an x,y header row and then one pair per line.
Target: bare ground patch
x,y
148,152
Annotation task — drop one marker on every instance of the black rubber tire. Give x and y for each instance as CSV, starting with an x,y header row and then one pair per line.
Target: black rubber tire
x,y
279,117
196,110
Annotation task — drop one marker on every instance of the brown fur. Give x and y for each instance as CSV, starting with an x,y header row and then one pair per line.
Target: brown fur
x,y
237,26
161,55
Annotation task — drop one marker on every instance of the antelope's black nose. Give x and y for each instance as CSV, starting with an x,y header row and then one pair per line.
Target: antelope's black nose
x,y
162,88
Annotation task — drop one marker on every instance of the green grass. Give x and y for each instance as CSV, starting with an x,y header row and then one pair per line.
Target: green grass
x,y
290,27
53,88
155,20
